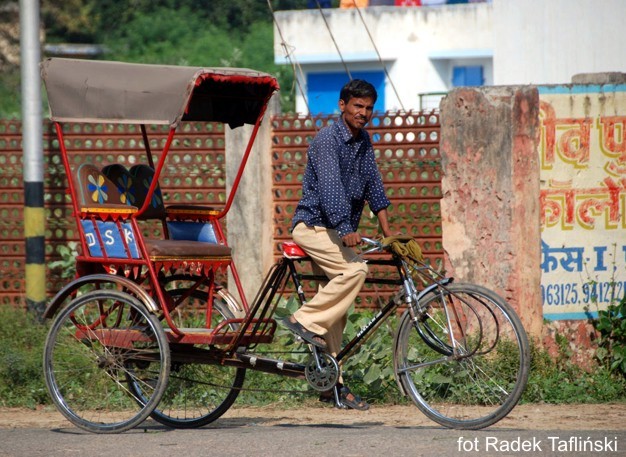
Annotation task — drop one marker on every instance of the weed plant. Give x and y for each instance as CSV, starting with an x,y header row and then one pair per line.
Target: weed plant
x,y
611,325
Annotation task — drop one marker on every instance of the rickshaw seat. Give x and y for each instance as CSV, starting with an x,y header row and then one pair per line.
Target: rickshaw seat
x,y
142,176
123,181
110,191
183,249
184,222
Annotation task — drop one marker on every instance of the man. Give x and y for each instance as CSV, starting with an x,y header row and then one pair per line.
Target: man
x,y
340,176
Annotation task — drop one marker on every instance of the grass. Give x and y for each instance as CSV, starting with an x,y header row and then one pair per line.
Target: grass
x,y
557,381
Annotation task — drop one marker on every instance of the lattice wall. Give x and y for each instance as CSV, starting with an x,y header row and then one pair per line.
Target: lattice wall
x,y
407,147
194,173
407,151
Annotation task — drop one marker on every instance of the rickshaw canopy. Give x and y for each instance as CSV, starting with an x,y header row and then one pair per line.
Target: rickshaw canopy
x,y
129,93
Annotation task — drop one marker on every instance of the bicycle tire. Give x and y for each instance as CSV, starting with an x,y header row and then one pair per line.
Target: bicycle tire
x,y
198,393
95,344
484,379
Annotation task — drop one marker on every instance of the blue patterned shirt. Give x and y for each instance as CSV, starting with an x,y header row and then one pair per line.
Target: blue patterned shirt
x,y
340,176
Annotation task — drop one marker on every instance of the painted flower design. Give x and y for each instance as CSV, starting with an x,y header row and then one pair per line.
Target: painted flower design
x,y
97,188
124,186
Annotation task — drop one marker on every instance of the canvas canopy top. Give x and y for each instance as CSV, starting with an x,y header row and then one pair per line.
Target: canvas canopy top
x,y
116,92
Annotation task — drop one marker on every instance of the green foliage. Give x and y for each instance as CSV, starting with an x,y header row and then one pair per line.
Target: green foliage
x,y
611,326
165,36
558,380
21,347
67,263
10,97
183,37
369,372
71,21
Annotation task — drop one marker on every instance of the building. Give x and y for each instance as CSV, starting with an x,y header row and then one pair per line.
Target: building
x,y
413,55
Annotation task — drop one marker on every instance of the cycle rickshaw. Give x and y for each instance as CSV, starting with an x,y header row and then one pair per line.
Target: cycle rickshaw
x,y
122,345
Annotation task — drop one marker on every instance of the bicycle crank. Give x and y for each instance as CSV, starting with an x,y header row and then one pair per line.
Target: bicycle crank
x,y
321,371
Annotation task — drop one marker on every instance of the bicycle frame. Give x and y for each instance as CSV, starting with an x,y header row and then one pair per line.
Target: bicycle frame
x,y
286,270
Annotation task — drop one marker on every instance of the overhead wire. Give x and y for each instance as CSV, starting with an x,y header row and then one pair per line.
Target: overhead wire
x,y
378,54
332,37
297,69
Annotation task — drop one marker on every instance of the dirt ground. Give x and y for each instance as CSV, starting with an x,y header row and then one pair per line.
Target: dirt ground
x,y
523,417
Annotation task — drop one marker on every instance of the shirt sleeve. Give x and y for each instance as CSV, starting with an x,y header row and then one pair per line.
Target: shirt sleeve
x,y
334,204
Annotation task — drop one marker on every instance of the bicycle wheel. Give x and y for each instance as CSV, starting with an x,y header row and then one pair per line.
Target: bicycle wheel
x,y
98,342
469,369
197,393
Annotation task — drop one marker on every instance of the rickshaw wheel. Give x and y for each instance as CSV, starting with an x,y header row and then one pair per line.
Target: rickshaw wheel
x,y
197,393
98,342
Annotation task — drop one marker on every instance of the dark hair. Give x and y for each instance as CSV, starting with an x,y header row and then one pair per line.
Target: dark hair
x,y
358,88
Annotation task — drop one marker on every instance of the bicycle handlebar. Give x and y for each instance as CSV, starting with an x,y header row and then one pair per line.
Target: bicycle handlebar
x,y
372,242
377,246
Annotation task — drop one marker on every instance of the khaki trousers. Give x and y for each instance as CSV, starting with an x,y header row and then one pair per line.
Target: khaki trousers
x,y
326,313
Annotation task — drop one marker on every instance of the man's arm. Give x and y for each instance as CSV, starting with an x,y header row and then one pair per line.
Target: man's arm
x,y
383,221
352,239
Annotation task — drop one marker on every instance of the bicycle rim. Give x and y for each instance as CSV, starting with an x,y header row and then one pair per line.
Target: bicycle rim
x,y
95,345
484,378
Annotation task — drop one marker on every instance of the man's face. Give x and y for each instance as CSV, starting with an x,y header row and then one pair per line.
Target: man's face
x,y
357,112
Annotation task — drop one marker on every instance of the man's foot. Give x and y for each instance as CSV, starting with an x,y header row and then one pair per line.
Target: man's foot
x,y
346,397
312,338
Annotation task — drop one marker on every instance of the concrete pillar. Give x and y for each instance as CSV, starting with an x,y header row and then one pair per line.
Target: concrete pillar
x,y
490,186
249,223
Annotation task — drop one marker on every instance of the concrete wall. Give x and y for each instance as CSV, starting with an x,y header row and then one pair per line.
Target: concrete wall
x,y
549,41
583,198
490,204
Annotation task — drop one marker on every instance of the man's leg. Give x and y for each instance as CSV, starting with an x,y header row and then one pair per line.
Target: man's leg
x,y
325,313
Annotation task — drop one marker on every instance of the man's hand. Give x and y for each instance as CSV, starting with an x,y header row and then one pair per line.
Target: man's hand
x,y
351,239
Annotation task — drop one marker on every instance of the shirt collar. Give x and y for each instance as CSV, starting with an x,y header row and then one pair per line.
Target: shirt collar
x,y
346,134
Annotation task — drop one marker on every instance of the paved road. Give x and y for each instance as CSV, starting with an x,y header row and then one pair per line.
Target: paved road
x,y
291,439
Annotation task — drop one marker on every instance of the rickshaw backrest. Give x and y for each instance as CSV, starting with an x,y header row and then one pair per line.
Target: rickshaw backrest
x,y
134,184
95,188
123,181
142,176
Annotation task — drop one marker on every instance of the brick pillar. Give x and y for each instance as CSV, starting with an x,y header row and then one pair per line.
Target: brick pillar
x,y
490,185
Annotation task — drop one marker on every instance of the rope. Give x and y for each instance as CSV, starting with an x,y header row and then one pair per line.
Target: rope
x,y
405,247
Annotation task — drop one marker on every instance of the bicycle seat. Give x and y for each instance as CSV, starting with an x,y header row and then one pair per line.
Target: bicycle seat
x,y
292,251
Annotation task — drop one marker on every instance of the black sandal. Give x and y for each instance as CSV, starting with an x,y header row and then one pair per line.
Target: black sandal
x,y
308,336
346,397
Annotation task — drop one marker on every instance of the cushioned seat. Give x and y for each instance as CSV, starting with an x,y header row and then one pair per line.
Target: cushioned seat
x,y
179,249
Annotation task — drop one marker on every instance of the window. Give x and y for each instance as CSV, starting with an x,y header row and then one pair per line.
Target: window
x,y
323,89
467,76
